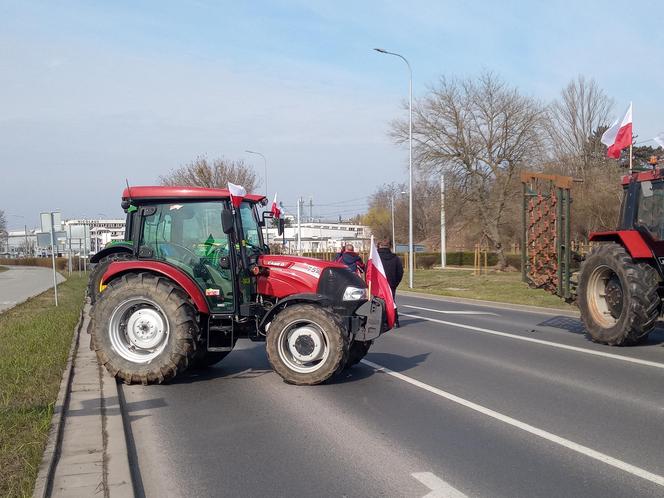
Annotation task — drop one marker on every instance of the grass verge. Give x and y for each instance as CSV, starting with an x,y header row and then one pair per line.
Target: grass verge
x,y
35,338
504,287
3,268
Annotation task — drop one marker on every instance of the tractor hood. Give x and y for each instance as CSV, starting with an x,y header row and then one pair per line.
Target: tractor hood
x,y
287,275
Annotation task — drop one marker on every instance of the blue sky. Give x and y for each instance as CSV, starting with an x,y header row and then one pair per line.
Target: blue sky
x,y
92,93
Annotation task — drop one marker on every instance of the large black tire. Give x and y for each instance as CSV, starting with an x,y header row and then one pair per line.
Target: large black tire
x,y
313,330
98,271
138,308
357,351
618,297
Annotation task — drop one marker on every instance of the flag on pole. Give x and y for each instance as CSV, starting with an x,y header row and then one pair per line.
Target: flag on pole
x,y
659,139
237,194
619,135
276,212
378,284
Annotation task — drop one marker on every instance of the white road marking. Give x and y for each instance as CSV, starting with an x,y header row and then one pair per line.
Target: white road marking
x,y
438,487
584,450
445,312
628,359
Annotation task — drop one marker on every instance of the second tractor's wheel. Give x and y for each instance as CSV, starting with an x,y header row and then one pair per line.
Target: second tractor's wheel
x,y
306,344
94,281
618,298
357,351
144,329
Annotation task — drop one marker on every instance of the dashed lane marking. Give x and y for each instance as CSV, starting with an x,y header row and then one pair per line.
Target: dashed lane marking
x,y
603,354
571,445
438,487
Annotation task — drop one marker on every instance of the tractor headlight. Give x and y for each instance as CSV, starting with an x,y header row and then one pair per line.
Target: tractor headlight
x,y
355,294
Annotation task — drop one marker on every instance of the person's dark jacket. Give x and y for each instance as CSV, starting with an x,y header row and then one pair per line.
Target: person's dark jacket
x,y
392,265
351,259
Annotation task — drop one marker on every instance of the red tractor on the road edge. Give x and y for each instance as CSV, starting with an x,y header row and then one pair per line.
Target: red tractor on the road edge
x,y
620,281
194,274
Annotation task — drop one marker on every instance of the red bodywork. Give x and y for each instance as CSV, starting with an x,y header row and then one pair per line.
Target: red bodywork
x,y
157,193
118,268
644,176
288,275
631,240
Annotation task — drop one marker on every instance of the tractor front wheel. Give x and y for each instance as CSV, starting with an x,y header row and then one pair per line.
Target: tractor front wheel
x,y
144,329
618,298
306,344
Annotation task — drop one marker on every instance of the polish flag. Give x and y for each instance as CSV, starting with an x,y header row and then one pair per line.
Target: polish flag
x,y
619,135
237,194
276,212
378,284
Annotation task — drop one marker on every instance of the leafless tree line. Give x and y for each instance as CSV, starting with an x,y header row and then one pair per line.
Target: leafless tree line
x,y
482,132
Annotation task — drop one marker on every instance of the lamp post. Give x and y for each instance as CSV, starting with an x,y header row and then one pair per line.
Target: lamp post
x,y
410,163
267,193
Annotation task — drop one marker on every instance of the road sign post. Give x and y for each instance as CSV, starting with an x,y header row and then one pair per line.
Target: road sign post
x,y
48,222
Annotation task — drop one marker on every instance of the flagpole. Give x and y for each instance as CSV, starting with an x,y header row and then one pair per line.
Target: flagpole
x,y
630,159
370,251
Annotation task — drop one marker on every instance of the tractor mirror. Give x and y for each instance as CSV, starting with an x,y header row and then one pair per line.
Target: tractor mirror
x,y
280,226
646,189
227,221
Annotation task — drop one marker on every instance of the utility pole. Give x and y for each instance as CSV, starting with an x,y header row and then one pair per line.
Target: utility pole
x,y
25,229
299,227
443,241
311,209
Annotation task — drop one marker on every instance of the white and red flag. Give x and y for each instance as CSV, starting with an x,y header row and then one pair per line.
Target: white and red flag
x,y
276,212
378,284
619,135
237,194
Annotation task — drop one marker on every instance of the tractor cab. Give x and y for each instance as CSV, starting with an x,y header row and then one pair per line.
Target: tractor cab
x,y
643,204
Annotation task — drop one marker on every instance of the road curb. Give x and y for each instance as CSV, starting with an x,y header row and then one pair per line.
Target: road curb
x,y
44,483
492,304
86,384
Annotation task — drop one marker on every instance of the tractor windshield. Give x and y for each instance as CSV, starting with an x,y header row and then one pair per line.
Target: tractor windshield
x,y
189,235
252,232
650,214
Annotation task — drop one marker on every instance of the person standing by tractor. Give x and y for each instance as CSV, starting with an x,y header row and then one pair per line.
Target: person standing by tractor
x,y
393,270
350,258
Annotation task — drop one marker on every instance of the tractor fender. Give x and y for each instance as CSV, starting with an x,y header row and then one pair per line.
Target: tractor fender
x,y
119,268
114,249
304,297
631,240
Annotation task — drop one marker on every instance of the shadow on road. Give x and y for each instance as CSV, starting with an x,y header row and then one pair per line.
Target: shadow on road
x,y
394,362
575,326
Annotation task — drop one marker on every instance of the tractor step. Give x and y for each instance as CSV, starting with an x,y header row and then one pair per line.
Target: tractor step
x,y
220,333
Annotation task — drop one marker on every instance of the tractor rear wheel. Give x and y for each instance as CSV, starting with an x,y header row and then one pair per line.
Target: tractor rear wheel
x,y
94,281
618,298
144,329
357,351
306,344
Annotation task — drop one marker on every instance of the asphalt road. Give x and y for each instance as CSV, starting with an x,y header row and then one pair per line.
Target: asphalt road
x,y
20,283
461,400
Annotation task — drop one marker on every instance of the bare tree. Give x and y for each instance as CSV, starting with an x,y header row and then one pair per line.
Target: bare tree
x,y
574,120
482,132
213,174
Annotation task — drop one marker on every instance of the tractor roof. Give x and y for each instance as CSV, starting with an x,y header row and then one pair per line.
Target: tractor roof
x,y
188,193
643,176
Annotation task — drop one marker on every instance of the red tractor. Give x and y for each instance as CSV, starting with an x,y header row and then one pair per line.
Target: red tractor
x,y
620,282
194,275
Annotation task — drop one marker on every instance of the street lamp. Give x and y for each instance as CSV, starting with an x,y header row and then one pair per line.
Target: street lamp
x,y
394,240
267,192
410,163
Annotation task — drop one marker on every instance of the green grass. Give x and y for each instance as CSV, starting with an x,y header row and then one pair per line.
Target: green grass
x,y
35,338
3,268
505,287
